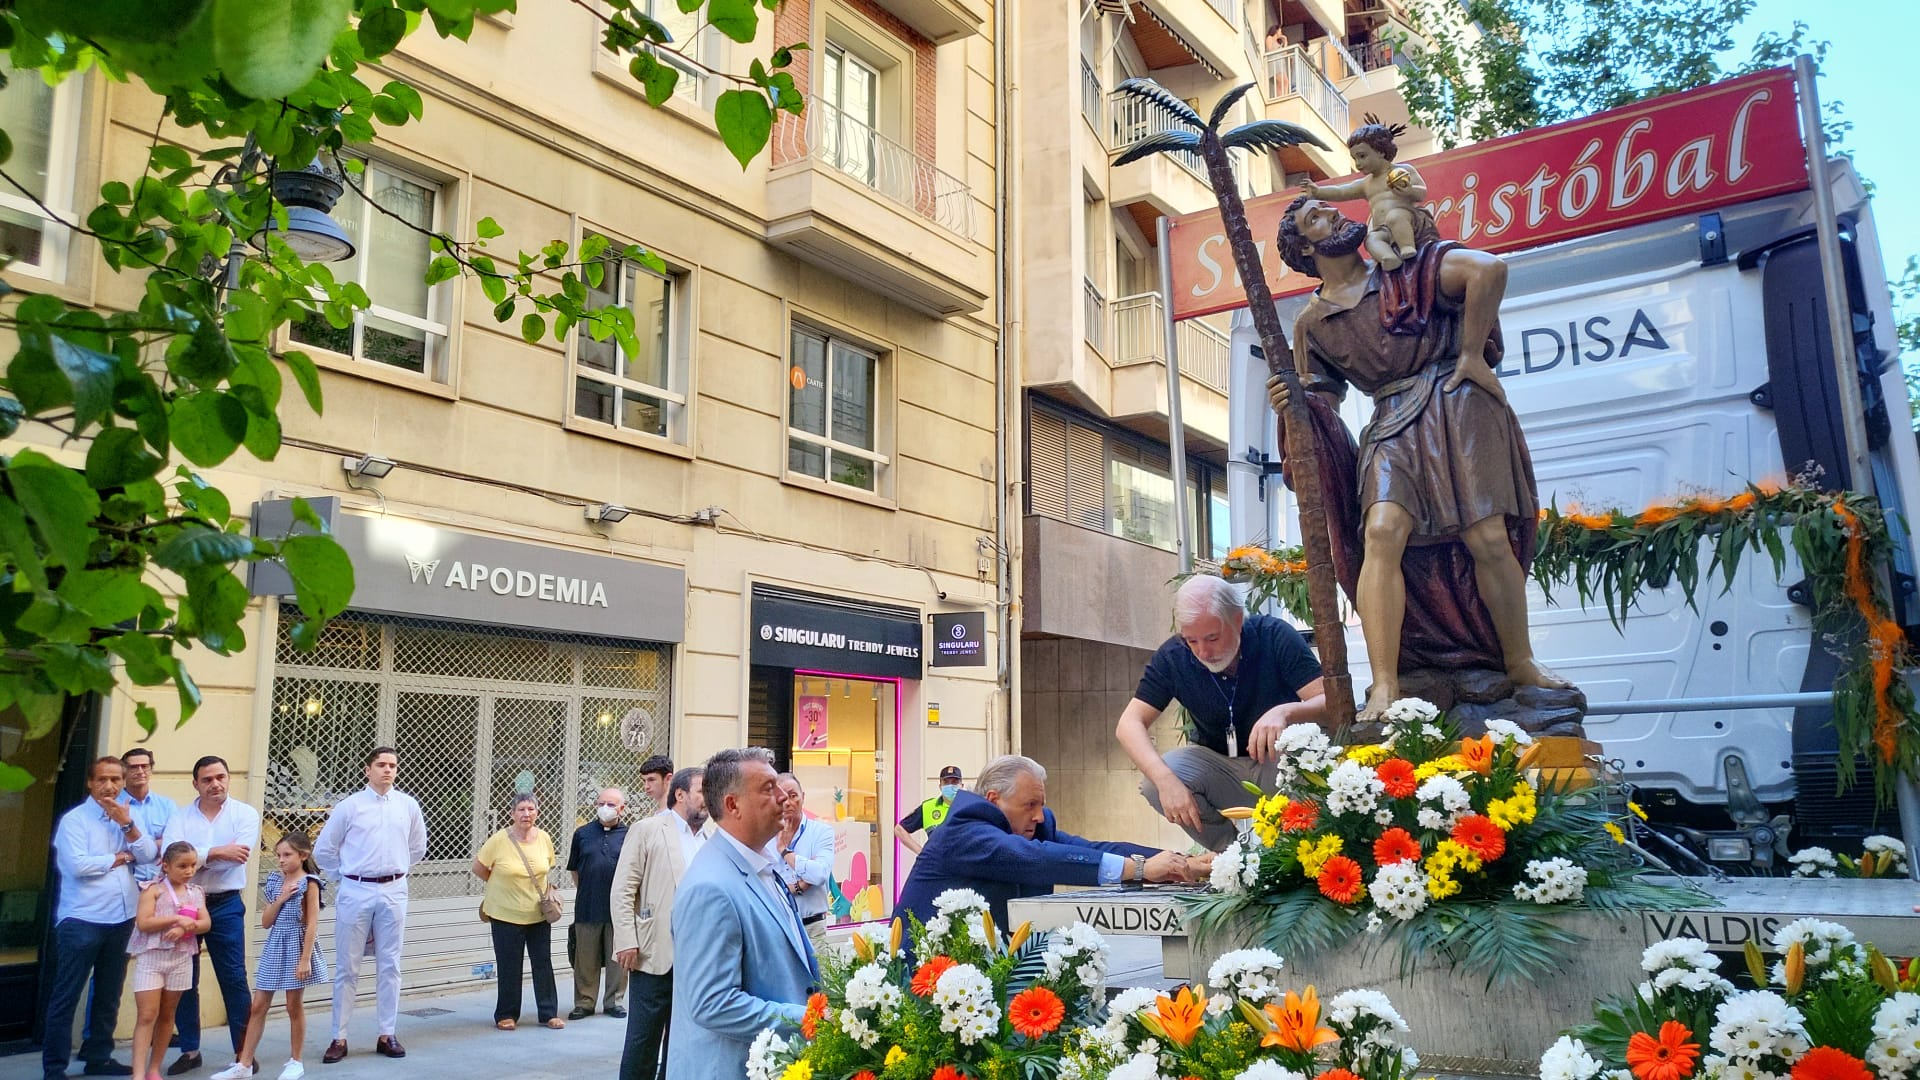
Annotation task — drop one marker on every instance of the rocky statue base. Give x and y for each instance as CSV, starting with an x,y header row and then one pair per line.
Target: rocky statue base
x,y
1473,696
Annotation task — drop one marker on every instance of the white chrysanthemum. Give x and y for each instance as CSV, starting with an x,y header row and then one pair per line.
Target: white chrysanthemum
x,y
1132,1001
1078,949
870,988
858,1029
1348,1008
1443,802
1227,869
1757,1023
1813,862
1830,949
1552,881
1685,952
954,901
1303,748
1141,1066
1507,732
938,927
1250,974
1267,1069
1352,788
964,995
1568,1060
1410,710
1895,1049
1400,890
763,1057
1888,850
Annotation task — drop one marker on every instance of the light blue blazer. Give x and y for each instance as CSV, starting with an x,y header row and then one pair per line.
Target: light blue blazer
x,y
741,963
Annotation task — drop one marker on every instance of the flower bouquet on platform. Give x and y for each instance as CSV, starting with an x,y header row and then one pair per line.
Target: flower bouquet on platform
x,y
964,1003
1437,842
1831,1009
1243,1026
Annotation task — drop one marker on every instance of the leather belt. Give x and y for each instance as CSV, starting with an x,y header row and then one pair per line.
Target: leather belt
x,y
373,880
811,919
222,895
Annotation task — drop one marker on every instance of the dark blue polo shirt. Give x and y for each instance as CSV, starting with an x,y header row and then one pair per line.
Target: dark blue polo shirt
x,y
1275,662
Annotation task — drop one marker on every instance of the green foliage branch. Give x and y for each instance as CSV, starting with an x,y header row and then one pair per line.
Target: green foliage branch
x,y
109,567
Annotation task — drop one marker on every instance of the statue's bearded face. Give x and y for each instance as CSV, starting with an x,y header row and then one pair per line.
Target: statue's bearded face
x,y
1312,227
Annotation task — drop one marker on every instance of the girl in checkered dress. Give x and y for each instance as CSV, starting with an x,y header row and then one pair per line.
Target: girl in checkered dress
x,y
166,938
290,960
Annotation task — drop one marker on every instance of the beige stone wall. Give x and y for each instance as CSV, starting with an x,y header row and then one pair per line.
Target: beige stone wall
x,y
1072,694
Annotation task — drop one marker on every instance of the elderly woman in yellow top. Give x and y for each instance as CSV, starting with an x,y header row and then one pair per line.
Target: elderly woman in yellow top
x,y
515,863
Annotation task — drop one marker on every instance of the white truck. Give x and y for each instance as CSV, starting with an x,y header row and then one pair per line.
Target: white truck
x,y
1683,355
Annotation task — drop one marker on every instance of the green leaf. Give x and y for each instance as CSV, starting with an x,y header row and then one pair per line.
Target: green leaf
x,y
487,228
738,19
745,122
148,720
263,435
206,359
656,78
207,427
381,32
197,545
11,413
407,96
389,111
322,574
109,596
17,541
307,375
188,690
442,268
270,50
533,327
142,656
58,502
14,778
118,457
55,620
77,669
91,375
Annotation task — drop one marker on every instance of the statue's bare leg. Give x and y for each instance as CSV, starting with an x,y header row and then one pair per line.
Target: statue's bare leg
x,y
1382,598
1400,228
1380,247
1503,588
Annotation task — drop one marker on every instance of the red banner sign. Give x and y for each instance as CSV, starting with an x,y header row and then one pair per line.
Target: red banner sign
x,y
1727,143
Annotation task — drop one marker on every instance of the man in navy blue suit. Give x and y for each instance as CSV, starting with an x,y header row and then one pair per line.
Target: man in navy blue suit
x,y
1000,840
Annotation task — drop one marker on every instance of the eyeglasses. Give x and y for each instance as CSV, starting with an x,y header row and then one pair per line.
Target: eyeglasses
x,y
144,767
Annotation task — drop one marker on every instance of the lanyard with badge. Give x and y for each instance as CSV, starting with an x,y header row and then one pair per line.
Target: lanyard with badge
x,y
1228,686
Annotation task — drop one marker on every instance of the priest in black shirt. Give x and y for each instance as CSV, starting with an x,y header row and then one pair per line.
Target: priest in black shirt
x,y
1242,678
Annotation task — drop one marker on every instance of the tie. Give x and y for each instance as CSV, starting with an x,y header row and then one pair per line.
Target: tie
x,y
793,908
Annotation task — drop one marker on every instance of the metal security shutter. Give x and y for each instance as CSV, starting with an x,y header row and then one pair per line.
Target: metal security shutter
x,y
1086,477
476,713
1047,465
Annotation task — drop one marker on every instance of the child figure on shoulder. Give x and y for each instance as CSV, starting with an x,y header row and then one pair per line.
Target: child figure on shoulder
x,y
1393,192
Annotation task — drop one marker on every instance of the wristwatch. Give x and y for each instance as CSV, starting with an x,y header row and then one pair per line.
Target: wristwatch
x,y
1139,869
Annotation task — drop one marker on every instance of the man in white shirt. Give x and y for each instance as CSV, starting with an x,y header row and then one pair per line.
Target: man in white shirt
x,y
371,839
805,845
652,861
225,834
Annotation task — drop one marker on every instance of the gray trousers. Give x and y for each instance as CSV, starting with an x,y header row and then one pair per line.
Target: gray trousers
x,y
1215,780
592,955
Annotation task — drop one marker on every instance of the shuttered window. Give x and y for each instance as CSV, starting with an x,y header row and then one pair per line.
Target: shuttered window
x,y
1081,472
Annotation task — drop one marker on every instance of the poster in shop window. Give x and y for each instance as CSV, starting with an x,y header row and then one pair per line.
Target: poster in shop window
x,y
810,725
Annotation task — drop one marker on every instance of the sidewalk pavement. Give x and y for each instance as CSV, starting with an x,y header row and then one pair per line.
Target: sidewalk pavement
x,y
450,1036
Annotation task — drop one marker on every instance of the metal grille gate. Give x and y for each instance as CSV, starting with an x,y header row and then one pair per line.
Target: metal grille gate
x,y
476,714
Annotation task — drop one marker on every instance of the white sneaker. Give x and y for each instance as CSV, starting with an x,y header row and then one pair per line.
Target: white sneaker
x,y
235,1071
292,1070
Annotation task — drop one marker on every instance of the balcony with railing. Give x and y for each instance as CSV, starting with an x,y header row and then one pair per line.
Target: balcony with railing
x,y
1093,97
1175,183
833,172
1298,90
1374,55
1093,308
1139,338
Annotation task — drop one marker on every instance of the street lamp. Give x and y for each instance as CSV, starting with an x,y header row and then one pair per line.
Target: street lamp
x,y
308,194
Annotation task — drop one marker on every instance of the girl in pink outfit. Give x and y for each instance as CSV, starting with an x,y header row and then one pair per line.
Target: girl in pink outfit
x,y
166,938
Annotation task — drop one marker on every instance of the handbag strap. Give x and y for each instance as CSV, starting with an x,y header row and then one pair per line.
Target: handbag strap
x,y
525,863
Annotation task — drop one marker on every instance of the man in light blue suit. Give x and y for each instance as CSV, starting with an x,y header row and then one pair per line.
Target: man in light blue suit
x,y
739,948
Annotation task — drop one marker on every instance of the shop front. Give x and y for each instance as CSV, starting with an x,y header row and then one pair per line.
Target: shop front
x,y
495,667
829,684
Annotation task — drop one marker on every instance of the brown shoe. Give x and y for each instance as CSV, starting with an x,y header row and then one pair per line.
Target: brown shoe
x,y
388,1046
336,1050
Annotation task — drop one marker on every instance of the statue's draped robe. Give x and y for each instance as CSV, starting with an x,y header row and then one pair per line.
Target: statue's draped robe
x,y
1450,459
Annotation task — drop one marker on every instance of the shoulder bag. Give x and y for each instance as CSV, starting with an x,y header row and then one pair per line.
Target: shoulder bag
x,y
550,896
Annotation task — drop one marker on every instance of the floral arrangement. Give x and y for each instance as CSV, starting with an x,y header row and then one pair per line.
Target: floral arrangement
x,y
1881,856
1439,841
1613,556
964,1004
1242,1026
1831,1009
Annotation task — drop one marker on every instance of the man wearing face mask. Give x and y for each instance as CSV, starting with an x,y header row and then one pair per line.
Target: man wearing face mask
x,y
929,814
592,860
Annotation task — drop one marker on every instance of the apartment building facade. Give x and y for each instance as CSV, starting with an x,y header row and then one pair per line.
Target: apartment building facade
x,y
807,447
1098,533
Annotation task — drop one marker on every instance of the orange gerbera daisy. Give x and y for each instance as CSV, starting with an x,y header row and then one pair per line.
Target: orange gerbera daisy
x,y
863,1074
1396,845
1299,816
1340,880
1478,834
947,1072
1035,1012
1478,754
1829,1063
1670,1057
816,1010
929,974
1296,1023
1397,774
1338,1074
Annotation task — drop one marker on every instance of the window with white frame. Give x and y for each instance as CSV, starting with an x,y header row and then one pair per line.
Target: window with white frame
x,y
44,123
406,325
833,406
645,391
850,117
684,28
